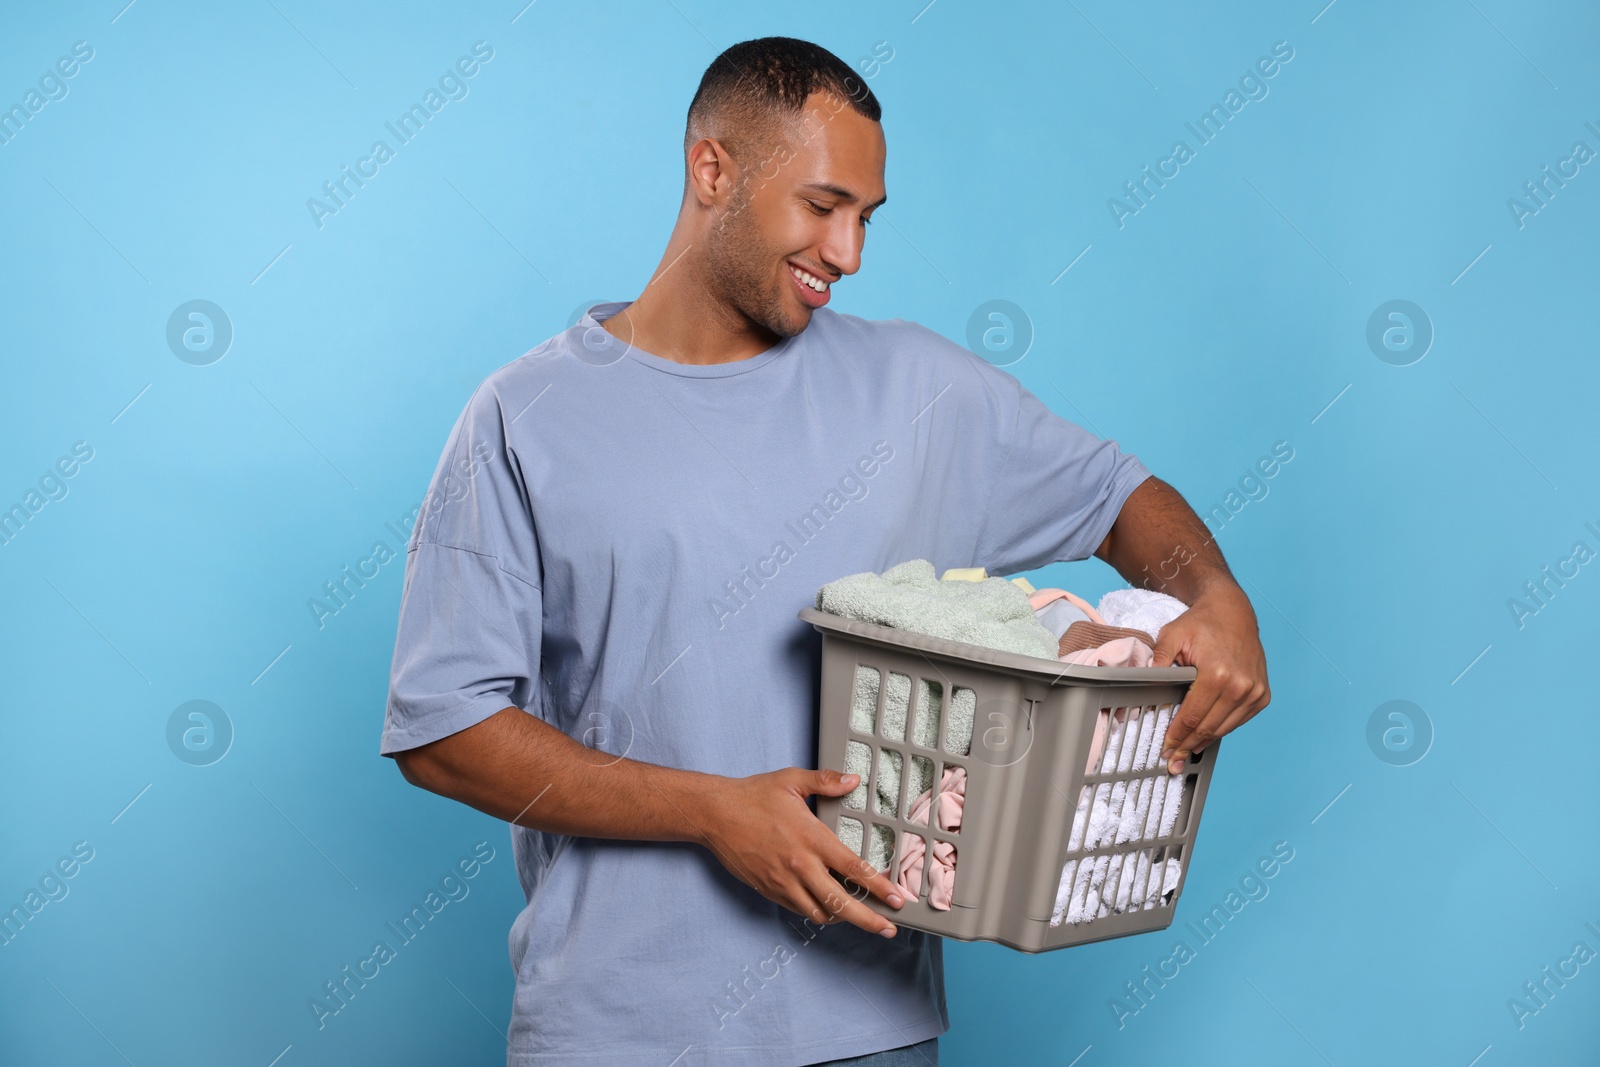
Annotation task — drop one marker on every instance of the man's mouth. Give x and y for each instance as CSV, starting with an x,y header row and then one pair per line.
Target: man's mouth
x,y
812,289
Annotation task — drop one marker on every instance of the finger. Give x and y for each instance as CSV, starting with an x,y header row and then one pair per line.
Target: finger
x,y
859,872
804,902
1237,694
1243,713
1169,642
842,905
827,782
1196,705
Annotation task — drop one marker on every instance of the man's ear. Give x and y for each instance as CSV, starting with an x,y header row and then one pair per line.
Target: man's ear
x,y
711,171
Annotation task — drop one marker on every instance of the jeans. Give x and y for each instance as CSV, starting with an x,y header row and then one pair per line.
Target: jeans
x,y
922,1054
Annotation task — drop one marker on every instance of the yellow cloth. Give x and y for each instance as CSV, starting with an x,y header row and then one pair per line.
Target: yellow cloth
x,y
964,574
979,574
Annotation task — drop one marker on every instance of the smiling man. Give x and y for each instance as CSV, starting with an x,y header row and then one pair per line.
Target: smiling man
x,y
598,638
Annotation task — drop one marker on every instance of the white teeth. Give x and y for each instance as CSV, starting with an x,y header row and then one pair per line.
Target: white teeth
x,y
814,282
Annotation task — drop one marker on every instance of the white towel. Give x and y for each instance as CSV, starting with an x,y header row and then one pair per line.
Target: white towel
x,y
1140,609
1119,812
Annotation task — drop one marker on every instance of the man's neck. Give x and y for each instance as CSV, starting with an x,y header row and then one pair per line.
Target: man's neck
x,y
677,318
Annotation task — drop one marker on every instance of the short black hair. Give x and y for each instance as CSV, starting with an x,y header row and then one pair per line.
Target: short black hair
x,y
753,87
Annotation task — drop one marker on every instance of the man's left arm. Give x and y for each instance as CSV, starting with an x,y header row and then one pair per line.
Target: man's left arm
x,y
1159,543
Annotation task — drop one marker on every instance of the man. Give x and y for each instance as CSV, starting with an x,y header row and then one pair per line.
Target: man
x,y
598,639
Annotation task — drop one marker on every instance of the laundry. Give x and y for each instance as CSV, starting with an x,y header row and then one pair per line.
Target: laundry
x,y
969,606
1093,644
993,612
1114,813
941,871
1121,632
974,609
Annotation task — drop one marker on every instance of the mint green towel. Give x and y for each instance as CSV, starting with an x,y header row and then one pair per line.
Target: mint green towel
x,y
994,613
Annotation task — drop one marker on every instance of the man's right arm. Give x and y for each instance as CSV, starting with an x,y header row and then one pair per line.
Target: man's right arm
x,y
518,768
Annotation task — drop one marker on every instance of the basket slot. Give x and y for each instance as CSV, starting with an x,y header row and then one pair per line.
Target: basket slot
x,y
929,712
857,760
917,873
865,701
958,732
886,783
1185,804
880,847
896,707
921,781
850,833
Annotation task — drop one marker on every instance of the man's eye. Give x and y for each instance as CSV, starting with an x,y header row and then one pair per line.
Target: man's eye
x,y
818,208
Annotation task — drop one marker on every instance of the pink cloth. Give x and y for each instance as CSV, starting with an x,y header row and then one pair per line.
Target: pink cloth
x,y
941,873
1123,652
1040,597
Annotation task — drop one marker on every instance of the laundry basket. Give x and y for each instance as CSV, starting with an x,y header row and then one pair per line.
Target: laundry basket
x,y
1032,730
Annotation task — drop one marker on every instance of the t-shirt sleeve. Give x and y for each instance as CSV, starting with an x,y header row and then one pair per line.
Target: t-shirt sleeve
x,y
471,610
1055,488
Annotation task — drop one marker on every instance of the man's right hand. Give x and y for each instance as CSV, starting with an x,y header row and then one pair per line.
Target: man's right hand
x,y
763,831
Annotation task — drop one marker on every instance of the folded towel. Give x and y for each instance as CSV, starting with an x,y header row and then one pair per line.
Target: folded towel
x,y
1140,609
991,612
1117,812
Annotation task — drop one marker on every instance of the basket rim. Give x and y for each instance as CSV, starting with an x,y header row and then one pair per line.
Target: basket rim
x,y
1049,671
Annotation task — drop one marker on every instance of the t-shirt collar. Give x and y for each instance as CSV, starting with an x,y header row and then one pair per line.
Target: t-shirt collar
x,y
598,347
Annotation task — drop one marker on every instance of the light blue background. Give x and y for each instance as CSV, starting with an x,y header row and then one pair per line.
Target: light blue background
x,y
1223,317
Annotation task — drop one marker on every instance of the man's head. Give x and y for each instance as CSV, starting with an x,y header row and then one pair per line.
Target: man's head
x,y
783,165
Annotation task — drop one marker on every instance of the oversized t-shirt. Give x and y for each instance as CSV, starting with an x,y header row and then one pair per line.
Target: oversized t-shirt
x,y
619,544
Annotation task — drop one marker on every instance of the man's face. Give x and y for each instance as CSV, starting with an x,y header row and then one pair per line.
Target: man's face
x,y
801,205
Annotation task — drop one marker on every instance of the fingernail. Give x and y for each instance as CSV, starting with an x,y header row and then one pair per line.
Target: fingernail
x,y
1166,753
888,931
894,900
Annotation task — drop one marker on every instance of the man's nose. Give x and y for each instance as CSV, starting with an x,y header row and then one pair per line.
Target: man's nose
x,y
841,249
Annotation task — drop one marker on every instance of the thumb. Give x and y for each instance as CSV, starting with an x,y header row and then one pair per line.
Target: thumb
x,y
1169,642
833,783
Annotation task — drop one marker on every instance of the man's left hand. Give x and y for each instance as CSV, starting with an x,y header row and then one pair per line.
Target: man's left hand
x,y
1218,637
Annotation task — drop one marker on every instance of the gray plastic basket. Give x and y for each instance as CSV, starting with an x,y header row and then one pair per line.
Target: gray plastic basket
x,y
1033,726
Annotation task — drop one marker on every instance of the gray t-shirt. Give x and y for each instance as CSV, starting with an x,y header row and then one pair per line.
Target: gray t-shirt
x,y
619,544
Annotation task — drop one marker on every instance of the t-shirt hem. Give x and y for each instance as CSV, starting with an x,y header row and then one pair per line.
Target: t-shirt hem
x,y
1133,475
838,1048
418,732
